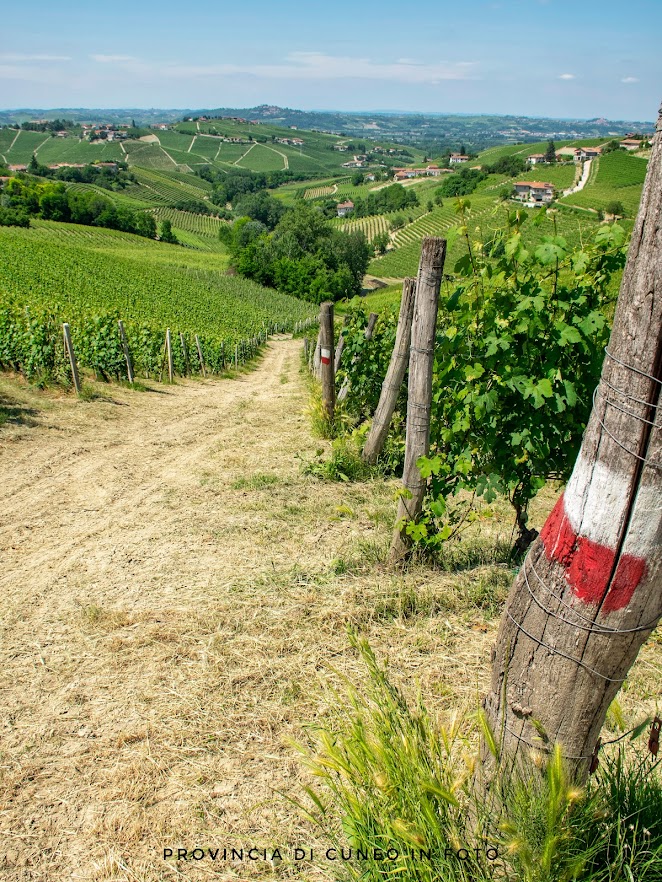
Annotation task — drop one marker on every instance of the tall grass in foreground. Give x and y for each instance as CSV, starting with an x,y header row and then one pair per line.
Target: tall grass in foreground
x,y
395,793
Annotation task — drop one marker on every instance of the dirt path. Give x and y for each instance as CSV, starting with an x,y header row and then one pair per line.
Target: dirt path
x,y
174,593
122,538
583,180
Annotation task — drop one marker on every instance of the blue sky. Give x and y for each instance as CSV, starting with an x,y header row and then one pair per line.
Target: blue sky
x,y
585,58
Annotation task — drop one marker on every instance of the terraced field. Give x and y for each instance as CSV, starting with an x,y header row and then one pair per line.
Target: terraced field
x,y
369,226
320,192
91,277
195,230
617,177
403,261
171,188
134,196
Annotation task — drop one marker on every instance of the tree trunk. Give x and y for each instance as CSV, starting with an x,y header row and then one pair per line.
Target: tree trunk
x,y
419,391
589,592
394,376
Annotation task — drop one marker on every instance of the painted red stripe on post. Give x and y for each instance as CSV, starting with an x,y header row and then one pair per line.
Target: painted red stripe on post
x,y
588,565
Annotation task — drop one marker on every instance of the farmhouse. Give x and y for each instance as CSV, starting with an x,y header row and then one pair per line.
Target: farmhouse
x,y
456,158
344,208
341,147
354,163
534,191
535,158
433,171
589,152
568,153
631,144
17,168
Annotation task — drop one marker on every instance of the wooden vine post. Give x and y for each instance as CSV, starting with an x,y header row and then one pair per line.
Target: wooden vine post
x,y
340,345
426,303
69,346
327,372
182,341
394,376
202,361
316,354
369,331
590,590
127,352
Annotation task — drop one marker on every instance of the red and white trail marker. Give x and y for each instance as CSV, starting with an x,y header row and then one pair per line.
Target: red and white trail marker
x,y
326,356
582,535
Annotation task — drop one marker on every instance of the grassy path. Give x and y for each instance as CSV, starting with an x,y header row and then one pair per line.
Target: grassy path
x,y
174,594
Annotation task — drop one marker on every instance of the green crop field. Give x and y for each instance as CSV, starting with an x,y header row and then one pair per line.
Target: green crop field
x,y
261,159
171,187
562,176
617,177
370,226
133,196
91,278
204,224
22,145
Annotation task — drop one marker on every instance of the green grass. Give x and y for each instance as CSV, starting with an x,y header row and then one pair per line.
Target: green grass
x,y
396,784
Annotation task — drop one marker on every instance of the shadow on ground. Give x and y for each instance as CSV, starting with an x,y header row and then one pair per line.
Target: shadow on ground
x,y
14,413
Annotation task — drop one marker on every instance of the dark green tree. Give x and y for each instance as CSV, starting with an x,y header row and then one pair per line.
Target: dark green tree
x,y
166,234
550,153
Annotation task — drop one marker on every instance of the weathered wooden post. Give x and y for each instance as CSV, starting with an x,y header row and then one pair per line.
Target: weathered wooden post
x,y
340,345
369,330
326,360
590,590
127,353
171,363
72,357
394,376
182,340
316,355
421,358
202,361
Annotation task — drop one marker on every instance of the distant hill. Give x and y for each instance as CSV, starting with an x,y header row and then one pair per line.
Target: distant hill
x,y
476,131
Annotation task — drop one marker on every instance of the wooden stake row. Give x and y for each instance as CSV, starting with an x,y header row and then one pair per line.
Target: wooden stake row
x,y
243,350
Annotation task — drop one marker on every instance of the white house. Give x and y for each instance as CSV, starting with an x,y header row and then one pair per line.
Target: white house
x,y
589,152
456,158
344,208
534,191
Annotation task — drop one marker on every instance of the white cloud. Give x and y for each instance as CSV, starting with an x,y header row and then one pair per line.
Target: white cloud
x,y
630,80
317,66
112,59
17,57
567,77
